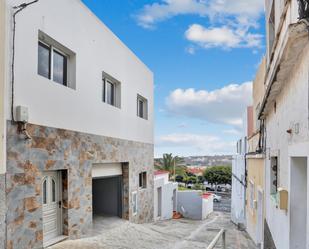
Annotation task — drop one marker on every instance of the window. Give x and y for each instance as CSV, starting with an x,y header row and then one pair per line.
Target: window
x,y
44,60
271,28
134,203
143,180
111,93
55,65
44,191
56,62
59,68
274,175
142,107
53,190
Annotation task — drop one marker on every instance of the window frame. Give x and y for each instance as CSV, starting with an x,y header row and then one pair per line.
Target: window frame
x,y
142,180
52,49
105,82
65,65
142,99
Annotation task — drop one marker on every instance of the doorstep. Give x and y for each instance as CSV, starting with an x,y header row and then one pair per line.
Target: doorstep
x,y
55,241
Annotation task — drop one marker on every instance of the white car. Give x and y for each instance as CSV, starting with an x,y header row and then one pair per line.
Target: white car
x,y
216,198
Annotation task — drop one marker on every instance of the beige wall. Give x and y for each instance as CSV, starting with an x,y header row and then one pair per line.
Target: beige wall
x,y
258,91
256,176
2,77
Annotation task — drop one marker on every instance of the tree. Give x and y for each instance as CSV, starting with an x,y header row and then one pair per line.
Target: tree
x,y
168,162
218,175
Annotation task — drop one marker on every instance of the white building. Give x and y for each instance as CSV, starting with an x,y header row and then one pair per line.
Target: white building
x,y
87,105
165,196
238,202
285,111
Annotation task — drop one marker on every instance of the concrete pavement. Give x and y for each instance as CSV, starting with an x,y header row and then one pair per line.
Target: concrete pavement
x,y
175,234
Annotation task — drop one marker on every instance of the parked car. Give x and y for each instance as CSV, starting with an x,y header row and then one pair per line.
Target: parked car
x,y
210,189
190,185
217,198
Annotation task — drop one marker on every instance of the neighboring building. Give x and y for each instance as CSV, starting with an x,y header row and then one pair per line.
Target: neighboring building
x,y
165,196
255,163
88,102
285,112
193,204
238,206
197,171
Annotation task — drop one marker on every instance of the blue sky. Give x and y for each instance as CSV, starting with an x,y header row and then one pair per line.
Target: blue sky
x,y
204,55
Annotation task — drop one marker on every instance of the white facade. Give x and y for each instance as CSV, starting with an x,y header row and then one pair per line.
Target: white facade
x,y
238,209
286,112
165,196
94,50
192,204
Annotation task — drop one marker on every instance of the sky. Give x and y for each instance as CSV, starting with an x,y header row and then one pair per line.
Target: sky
x,y
204,55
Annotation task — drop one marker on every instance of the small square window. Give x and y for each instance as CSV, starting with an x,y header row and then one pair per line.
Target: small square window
x,y
111,93
142,107
56,62
143,180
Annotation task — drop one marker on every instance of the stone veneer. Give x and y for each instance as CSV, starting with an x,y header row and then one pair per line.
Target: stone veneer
x,y
73,153
2,212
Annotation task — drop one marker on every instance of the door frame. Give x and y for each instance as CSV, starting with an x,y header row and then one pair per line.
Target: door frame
x,y
60,222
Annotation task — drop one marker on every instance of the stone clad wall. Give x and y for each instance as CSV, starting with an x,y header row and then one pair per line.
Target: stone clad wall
x,y
2,211
74,153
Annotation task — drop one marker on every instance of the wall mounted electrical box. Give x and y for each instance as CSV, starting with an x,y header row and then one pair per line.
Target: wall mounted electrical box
x,y
22,114
283,199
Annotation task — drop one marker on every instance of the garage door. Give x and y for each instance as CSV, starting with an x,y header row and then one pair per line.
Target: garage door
x,y
106,170
107,189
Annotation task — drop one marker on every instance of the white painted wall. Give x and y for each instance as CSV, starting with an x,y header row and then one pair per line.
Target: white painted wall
x,y
97,49
238,198
192,205
207,207
292,109
2,85
238,190
167,197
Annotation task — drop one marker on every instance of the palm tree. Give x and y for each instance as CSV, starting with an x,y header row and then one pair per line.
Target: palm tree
x,y
169,163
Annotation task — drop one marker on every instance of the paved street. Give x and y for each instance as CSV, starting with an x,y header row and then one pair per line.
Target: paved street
x,y
224,205
172,234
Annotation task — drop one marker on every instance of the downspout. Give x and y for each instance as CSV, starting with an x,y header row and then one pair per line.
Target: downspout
x,y
22,126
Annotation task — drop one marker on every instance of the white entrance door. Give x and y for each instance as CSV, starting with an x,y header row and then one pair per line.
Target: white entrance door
x,y
51,206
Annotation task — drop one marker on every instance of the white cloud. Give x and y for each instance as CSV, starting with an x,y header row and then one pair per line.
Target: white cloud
x,y
232,132
225,105
230,21
224,36
244,10
203,144
156,12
